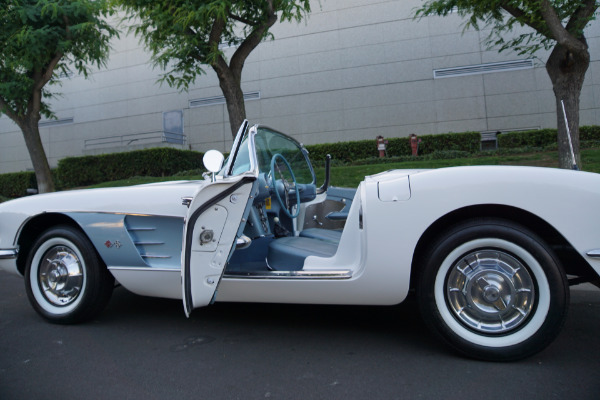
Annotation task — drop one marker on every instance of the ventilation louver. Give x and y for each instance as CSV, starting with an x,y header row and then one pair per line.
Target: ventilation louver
x,y
211,101
483,69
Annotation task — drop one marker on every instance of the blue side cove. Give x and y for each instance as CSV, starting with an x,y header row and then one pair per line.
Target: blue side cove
x,y
158,240
134,240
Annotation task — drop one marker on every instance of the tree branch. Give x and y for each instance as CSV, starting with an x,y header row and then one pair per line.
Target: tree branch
x,y
67,29
214,38
582,16
46,76
522,16
253,40
558,31
242,20
6,109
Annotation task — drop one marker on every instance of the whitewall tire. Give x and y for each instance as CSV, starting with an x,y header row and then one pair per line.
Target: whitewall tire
x,y
65,280
493,290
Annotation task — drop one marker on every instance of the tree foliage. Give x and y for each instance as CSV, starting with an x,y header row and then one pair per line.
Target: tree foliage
x,y
545,17
43,39
556,25
39,40
185,35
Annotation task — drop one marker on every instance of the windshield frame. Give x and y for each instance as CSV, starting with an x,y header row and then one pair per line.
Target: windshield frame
x,y
247,136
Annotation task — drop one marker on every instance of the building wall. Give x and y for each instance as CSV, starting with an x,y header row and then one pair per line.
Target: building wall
x,y
355,69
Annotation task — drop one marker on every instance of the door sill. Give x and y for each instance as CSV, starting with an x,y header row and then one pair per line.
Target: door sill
x,y
293,275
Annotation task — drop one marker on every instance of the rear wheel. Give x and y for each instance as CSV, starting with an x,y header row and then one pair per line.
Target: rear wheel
x,y
64,278
493,290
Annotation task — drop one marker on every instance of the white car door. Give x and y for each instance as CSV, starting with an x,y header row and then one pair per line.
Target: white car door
x,y
215,219
211,229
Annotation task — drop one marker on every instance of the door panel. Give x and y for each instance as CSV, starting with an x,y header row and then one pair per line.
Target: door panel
x,y
210,233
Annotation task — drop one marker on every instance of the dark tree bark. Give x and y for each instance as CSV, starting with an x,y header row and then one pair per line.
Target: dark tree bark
x,y
567,70
234,98
43,174
230,76
28,122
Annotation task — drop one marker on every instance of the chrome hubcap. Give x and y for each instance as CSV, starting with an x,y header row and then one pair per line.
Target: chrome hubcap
x,y
60,275
490,291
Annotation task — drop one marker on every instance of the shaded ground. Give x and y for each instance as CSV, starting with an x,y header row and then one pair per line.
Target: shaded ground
x,y
145,348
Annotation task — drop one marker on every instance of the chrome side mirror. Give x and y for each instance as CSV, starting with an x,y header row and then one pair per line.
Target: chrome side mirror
x,y
213,162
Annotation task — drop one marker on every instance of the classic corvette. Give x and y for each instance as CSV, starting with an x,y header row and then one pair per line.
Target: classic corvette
x,y
489,251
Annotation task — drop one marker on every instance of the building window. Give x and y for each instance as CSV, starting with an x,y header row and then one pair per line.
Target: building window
x,y
173,127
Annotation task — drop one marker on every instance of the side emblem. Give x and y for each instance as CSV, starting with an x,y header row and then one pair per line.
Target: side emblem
x,y
110,244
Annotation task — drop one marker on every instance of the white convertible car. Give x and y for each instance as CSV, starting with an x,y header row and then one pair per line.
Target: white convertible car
x,y
489,251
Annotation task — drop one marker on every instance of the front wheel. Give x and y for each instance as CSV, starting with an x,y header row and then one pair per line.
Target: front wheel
x,y
493,290
64,278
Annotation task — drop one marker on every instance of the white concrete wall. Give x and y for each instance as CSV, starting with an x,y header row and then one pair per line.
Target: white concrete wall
x,y
355,69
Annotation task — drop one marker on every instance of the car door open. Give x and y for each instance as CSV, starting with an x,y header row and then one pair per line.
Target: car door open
x,y
214,220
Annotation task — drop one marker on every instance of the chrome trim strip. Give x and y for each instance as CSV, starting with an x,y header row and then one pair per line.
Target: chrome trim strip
x,y
8,254
145,269
593,253
331,274
115,212
148,243
153,256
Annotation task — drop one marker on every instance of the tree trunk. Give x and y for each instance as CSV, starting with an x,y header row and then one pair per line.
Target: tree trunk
x,y
230,76
234,97
567,72
43,174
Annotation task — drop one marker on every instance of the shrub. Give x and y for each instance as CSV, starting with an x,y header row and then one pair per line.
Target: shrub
x,y
589,133
397,147
545,138
89,170
343,151
532,138
15,184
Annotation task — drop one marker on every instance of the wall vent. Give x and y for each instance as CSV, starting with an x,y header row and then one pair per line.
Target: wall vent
x,y
483,68
55,122
211,101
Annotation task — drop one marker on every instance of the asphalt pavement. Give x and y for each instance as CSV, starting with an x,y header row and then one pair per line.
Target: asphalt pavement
x,y
145,348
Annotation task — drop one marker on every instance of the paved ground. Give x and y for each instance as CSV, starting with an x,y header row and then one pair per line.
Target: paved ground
x,y
144,348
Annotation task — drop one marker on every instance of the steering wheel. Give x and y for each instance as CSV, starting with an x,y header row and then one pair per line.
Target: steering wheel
x,y
287,205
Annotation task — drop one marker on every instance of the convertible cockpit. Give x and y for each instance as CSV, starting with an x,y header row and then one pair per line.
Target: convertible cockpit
x,y
285,206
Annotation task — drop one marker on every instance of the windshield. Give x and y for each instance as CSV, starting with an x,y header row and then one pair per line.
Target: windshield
x,y
267,143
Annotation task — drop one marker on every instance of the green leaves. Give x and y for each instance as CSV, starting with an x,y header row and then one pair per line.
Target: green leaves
x,y
184,35
39,37
503,16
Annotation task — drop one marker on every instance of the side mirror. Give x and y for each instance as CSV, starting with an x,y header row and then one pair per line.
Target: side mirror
x,y
213,162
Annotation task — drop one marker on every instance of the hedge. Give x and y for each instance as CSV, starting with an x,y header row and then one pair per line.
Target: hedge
x,y
543,137
15,184
89,170
396,147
